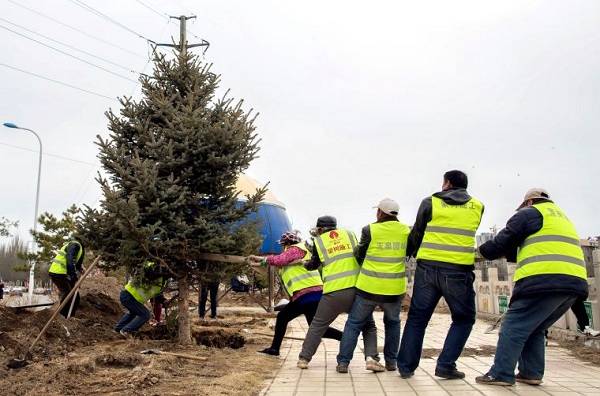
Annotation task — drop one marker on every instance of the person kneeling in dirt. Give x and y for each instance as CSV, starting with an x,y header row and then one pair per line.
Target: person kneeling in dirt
x,y
134,298
63,272
305,288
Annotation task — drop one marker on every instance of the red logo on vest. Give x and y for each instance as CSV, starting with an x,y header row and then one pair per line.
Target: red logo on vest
x,y
333,235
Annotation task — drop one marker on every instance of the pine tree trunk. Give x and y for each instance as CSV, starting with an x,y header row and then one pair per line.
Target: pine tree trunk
x,y
184,312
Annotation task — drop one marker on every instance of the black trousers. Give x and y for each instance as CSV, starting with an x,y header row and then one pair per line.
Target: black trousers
x,y
578,309
64,287
290,312
207,288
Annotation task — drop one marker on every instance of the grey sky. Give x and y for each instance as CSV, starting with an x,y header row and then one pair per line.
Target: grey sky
x,y
358,101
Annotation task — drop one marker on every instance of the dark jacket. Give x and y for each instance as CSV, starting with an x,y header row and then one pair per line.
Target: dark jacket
x,y
360,251
525,222
315,262
452,196
71,253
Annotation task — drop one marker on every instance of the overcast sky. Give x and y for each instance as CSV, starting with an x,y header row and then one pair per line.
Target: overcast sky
x,y
358,100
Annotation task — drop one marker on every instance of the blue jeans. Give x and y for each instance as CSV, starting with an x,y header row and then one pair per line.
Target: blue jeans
x,y
521,337
136,315
432,283
360,313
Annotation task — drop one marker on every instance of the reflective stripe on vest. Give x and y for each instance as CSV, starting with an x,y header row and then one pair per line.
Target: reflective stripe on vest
x,y
336,251
59,263
554,249
295,277
450,235
142,292
383,270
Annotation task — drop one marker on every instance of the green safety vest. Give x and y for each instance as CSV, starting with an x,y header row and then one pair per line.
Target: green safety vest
x,y
383,270
145,291
59,263
336,251
450,235
555,249
295,277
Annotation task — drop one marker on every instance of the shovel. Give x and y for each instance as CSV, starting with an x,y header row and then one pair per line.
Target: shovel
x,y
18,363
494,325
270,335
179,355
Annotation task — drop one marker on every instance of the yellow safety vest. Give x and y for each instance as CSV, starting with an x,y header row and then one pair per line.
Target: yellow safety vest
x,y
450,235
145,291
295,277
555,249
59,263
336,251
383,270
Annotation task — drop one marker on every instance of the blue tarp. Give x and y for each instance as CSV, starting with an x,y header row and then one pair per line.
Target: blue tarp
x,y
274,223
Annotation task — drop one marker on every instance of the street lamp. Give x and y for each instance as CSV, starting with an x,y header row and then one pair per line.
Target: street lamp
x,y
37,201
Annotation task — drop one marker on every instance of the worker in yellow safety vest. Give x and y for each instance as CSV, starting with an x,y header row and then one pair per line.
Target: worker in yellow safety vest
x,y
63,272
381,283
333,250
550,277
304,287
443,241
134,297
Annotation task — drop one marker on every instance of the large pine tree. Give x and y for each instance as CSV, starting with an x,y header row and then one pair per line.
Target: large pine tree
x,y
172,160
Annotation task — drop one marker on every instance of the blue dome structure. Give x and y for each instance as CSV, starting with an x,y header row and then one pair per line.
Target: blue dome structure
x,y
272,212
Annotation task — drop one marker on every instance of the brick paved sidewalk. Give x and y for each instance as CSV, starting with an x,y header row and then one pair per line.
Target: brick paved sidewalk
x,y
565,375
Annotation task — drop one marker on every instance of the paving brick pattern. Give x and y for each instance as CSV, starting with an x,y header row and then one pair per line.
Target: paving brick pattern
x,y
565,374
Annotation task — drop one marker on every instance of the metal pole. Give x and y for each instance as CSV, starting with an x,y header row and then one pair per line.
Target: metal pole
x,y
37,201
35,219
596,312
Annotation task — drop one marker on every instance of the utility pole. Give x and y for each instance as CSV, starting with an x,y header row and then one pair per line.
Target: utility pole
x,y
183,45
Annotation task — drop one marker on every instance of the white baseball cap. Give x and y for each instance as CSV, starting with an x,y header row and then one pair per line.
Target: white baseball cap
x,y
388,206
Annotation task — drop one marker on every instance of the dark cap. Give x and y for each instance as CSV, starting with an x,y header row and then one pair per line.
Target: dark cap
x,y
326,222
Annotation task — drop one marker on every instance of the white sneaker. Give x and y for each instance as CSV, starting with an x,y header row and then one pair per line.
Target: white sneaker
x,y
374,365
302,364
590,332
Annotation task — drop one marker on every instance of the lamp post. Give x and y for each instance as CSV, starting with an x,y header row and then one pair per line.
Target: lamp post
x,y
37,201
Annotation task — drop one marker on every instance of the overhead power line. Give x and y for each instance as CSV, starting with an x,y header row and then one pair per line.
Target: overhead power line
x,y
75,29
72,56
169,18
104,16
164,15
51,155
69,46
57,82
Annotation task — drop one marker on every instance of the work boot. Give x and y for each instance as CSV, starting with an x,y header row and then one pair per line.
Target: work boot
x,y
269,351
302,363
449,374
374,365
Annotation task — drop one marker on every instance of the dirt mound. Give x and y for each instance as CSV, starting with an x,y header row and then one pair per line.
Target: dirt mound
x,y
84,356
93,323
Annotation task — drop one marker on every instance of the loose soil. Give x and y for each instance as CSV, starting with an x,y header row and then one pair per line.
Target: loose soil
x,y
84,356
